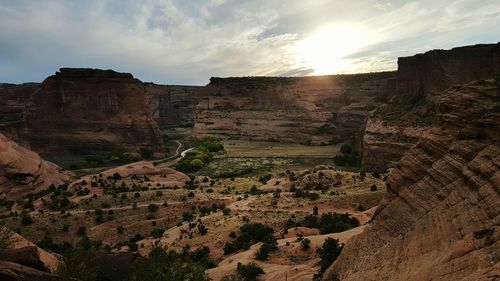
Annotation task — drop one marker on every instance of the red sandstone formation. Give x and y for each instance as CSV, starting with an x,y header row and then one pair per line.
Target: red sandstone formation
x,y
299,109
439,220
171,105
421,80
23,171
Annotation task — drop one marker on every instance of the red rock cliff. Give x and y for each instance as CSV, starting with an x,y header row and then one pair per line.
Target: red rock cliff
x,y
439,220
421,81
81,110
294,109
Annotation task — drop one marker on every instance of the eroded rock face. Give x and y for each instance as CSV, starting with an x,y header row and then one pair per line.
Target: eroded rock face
x,y
23,171
298,109
171,105
421,81
439,220
15,100
81,110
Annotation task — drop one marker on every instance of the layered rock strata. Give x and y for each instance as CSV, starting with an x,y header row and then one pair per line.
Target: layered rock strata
x,y
296,109
421,81
83,110
23,171
439,220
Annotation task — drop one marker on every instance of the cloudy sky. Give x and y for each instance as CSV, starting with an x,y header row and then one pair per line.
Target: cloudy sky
x,y
189,41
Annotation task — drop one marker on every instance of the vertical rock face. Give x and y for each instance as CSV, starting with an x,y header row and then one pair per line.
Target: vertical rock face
x,y
15,100
23,171
439,220
172,106
80,110
421,79
300,109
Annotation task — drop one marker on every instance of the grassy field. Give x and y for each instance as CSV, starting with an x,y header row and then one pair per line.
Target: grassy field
x,y
242,148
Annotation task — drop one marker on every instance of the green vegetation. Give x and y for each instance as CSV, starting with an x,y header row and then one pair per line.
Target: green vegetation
x,y
328,253
197,157
5,237
327,223
250,271
251,233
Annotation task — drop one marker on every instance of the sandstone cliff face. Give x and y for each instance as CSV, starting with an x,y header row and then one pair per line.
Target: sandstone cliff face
x,y
421,80
301,109
80,110
23,171
439,220
171,105
15,100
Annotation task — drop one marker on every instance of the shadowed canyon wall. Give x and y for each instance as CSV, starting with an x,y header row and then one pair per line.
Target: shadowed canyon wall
x,y
439,220
296,109
172,105
421,79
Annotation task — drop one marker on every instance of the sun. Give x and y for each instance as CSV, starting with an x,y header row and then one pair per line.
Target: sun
x,y
325,49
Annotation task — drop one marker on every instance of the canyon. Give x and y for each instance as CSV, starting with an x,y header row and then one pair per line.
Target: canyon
x,y
423,204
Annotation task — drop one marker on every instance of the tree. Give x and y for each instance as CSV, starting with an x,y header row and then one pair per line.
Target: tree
x,y
328,253
315,210
249,271
82,230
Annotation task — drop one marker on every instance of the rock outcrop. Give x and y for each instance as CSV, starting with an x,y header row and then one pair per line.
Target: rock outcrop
x,y
421,80
84,110
172,105
15,100
295,109
439,220
23,171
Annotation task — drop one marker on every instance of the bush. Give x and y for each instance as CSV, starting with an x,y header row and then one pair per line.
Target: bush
x,y
328,253
157,232
264,250
249,271
305,244
26,220
153,208
120,229
82,230
251,233
116,176
145,152
202,229
226,211
373,188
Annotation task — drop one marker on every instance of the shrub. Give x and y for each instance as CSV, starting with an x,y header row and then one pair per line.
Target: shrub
x,y
153,208
328,253
82,230
116,176
249,271
226,211
120,229
190,194
26,220
373,188
202,229
264,250
157,232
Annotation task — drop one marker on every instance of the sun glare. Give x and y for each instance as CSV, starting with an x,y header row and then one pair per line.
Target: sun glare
x,y
325,49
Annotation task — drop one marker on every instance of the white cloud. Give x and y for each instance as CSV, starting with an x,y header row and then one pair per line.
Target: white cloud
x,y
175,41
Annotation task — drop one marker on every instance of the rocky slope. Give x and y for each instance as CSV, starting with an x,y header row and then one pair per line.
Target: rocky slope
x,y
171,105
23,171
299,109
421,80
439,220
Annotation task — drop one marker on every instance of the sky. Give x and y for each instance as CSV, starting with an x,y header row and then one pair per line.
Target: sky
x,y
186,42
